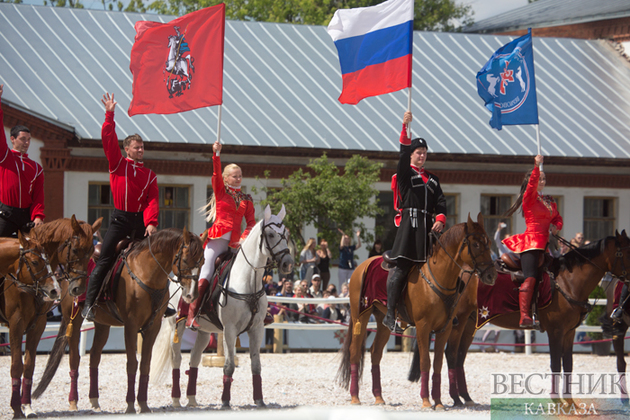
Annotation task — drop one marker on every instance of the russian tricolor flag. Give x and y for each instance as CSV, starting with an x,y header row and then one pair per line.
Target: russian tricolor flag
x,y
374,45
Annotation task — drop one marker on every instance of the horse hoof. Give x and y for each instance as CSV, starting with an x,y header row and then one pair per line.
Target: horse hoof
x,y
379,401
192,401
355,401
95,405
73,406
439,407
470,403
176,403
226,405
130,409
18,414
28,411
260,404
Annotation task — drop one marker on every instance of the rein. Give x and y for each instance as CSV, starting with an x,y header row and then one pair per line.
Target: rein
x,y
66,273
36,277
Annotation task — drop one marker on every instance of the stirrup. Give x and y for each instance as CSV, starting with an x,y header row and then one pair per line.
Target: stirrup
x,y
617,314
87,313
169,312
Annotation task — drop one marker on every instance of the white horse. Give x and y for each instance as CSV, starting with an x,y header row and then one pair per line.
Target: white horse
x,y
242,308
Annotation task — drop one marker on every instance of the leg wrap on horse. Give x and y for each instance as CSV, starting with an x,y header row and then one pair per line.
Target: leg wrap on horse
x,y
424,384
526,292
436,391
74,385
452,383
376,381
16,398
191,389
257,382
26,390
227,386
93,382
461,381
143,388
354,379
131,388
175,390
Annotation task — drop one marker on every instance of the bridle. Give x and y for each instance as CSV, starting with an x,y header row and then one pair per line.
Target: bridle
x,y
177,278
281,230
65,272
466,242
37,277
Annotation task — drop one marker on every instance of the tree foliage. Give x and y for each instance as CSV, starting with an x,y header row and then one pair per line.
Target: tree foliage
x,y
328,199
430,15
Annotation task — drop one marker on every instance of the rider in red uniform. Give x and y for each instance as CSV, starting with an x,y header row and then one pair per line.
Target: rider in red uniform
x,y
135,192
540,213
21,181
226,208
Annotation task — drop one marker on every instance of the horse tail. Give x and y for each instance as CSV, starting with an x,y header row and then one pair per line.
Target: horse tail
x,y
344,373
414,369
162,347
56,354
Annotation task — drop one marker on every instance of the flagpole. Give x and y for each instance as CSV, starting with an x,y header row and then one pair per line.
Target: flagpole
x,y
409,110
219,124
538,139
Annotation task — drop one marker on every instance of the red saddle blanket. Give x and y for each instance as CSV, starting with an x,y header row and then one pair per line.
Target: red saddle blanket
x,y
110,284
502,298
374,285
617,297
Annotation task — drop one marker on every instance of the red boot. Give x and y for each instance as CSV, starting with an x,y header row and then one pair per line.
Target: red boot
x,y
191,321
526,291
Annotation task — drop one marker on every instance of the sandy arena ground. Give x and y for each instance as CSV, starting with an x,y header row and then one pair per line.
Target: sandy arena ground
x,y
302,381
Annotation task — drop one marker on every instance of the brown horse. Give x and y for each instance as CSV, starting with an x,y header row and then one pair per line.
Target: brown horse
x,y
29,289
430,299
619,330
579,271
69,244
140,300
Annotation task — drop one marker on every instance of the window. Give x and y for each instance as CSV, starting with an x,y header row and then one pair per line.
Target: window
x,y
100,204
452,206
174,207
599,218
384,229
492,208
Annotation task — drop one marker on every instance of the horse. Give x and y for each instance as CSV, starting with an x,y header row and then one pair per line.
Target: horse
x,y
242,307
579,272
29,289
139,302
619,330
69,244
431,296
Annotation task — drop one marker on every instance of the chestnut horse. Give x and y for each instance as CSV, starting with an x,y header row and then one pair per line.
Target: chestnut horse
x,y
140,300
579,272
430,300
29,289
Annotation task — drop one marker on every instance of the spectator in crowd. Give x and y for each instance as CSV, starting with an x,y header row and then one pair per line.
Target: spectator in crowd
x,y
345,307
303,308
287,291
502,249
316,286
346,256
324,262
332,289
377,249
578,240
308,260
322,306
332,312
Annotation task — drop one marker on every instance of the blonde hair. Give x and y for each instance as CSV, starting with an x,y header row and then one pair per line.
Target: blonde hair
x,y
310,243
210,209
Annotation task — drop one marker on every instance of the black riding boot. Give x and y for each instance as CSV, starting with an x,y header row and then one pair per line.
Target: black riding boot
x,y
94,286
617,314
395,283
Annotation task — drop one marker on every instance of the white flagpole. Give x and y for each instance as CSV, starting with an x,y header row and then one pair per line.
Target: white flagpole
x,y
538,139
409,110
219,124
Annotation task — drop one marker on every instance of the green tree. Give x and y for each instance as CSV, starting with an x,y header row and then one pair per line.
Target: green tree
x,y
328,199
430,15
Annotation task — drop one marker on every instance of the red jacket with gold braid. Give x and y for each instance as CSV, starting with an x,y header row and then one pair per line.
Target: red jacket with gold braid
x,y
232,205
539,211
22,179
134,187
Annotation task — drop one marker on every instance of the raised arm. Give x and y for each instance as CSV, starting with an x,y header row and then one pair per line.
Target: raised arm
x,y
108,133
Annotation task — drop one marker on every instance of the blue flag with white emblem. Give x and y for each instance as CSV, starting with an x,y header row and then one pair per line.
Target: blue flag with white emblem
x,y
508,86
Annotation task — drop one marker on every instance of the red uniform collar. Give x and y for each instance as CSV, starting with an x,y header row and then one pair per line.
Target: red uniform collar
x,y
19,153
420,170
140,164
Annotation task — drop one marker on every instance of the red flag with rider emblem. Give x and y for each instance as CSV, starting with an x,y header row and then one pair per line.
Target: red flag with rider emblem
x,y
178,66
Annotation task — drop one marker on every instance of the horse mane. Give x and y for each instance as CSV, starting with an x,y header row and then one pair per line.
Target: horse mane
x,y
576,258
59,230
166,240
451,236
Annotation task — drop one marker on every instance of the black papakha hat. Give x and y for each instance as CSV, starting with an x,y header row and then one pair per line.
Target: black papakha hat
x,y
418,142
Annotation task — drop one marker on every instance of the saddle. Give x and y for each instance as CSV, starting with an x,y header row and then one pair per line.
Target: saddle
x,y
210,299
510,263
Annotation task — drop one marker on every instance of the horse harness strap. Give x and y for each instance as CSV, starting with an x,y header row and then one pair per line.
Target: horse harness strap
x,y
450,301
157,295
252,301
584,305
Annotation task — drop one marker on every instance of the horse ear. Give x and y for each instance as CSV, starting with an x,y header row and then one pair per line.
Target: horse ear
x,y
470,223
24,243
480,220
282,213
76,227
267,213
185,235
204,237
623,233
97,225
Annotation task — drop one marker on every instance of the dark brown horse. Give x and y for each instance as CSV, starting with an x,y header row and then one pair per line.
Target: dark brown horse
x,y
140,300
619,330
579,271
430,299
29,288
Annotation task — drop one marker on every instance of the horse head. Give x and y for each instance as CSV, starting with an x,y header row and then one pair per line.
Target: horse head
x,y
34,270
477,250
74,254
275,236
187,263
621,263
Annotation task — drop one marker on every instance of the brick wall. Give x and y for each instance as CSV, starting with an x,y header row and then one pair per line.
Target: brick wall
x,y
615,29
